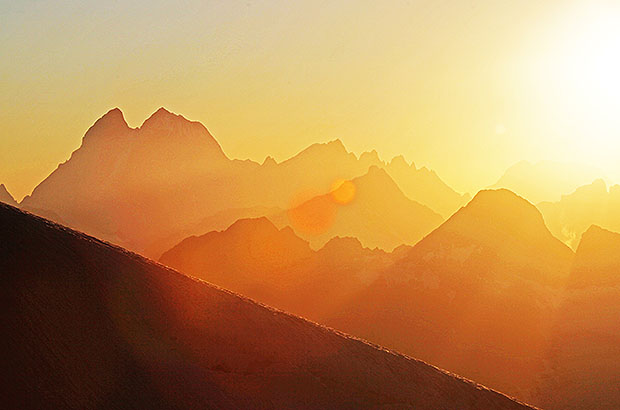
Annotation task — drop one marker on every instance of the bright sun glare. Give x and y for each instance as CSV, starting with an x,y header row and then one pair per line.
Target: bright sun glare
x,y
581,80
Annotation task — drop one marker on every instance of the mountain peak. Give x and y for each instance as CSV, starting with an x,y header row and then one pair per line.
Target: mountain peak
x,y
269,160
261,224
375,174
343,244
110,121
160,117
6,197
598,238
597,260
399,161
370,158
504,208
514,229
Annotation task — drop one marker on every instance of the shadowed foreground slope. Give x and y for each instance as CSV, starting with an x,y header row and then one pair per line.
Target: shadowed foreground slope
x,y
89,325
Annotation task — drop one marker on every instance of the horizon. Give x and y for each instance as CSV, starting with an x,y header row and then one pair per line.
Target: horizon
x,y
19,197
423,80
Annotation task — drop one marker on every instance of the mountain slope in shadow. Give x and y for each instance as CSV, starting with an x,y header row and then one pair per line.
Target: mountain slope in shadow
x,y
89,325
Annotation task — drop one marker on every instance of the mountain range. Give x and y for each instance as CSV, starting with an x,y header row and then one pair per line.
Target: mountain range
x,y
574,213
371,208
94,326
546,180
172,171
483,295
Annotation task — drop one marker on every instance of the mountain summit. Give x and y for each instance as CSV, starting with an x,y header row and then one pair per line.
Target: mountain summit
x,y
6,197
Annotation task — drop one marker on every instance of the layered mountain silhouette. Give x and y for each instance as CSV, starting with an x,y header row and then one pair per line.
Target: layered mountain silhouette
x,y
371,208
584,371
6,197
424,186
476,295
546,180
255,258
573,214
141,187
89,325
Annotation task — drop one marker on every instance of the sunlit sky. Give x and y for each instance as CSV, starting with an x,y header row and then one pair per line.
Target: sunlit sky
x,y
465,87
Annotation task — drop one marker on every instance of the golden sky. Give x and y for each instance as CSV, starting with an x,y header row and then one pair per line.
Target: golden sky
x,y
465,87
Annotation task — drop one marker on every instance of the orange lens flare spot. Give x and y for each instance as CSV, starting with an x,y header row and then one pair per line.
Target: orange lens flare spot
x,y
343,191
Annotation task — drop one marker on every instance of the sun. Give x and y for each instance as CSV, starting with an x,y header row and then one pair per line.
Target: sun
x,y
577,81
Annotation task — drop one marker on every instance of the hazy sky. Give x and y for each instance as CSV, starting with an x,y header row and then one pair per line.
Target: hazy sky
x,y
465,87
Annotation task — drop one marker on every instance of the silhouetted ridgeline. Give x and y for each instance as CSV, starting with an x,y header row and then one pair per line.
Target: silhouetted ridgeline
x,y
89,325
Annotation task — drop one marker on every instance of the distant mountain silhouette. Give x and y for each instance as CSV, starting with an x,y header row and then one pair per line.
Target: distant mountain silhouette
x,y
274,266
424,186
375,211
475,295
6,197
128,185
591,204
545,180
89,325
597,261
141,187
584,359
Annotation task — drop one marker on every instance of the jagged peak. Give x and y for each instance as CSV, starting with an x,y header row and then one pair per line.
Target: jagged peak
x,y
377,172
334,145
372,157
342,242
269,160
401,162
262,224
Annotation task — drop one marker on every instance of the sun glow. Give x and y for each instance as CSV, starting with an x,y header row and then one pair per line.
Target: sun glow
x,y
578,81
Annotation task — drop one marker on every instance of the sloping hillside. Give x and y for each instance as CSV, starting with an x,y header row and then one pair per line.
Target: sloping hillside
x,y
89,325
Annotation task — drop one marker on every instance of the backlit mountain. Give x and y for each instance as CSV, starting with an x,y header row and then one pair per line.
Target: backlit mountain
x,y
89,325
142,187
